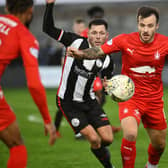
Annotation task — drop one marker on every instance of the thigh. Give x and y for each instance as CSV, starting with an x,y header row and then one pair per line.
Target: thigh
x,y
105,132
154,116
157,137
11,135
7,116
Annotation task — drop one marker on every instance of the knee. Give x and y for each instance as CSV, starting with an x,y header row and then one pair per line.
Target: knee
x,y
131,135
107,140
95,141
15,142
160,145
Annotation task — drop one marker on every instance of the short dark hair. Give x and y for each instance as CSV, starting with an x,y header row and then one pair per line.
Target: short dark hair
x,y
18,6
95,12
98,22
147,11
79,20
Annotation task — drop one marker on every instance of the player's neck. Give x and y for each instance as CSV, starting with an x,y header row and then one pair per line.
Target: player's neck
x,y
21,17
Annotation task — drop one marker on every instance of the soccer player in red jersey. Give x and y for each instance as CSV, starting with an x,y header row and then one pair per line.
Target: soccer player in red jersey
x,y
15,40
143,57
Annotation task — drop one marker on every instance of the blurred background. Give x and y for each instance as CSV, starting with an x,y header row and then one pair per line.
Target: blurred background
x,y
120,14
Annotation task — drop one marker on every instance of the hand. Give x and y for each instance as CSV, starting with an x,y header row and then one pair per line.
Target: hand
x,y
104,82
73,52
50,128
50,1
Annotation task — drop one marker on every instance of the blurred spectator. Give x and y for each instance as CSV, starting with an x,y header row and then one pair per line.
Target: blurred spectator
x,y
95,12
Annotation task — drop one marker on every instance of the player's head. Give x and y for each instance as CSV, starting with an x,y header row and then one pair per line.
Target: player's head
x,y
79,25
20,8
148,23
97,34
95,12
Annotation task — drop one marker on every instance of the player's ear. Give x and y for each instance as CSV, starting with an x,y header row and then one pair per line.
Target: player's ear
x,y
157,26
107,35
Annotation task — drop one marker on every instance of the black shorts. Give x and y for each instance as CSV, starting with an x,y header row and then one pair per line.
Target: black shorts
x,y
79,115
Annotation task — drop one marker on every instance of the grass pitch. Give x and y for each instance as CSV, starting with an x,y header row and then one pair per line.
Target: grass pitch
x,y
67,152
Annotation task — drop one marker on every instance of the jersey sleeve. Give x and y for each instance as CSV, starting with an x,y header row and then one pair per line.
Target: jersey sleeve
x,y
113,45
108,68
66,38
29,52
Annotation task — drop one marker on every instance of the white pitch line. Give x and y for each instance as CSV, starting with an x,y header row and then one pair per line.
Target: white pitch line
x,y
35,119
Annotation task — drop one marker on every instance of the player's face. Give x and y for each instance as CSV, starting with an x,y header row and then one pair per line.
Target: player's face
x,y
78,28
97,35
147,28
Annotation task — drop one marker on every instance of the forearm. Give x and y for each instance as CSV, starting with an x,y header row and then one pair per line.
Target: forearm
x,y
48,22
90,53
37,92
48,17
39,97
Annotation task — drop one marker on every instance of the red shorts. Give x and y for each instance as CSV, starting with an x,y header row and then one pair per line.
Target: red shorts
x,y
7,116
151,113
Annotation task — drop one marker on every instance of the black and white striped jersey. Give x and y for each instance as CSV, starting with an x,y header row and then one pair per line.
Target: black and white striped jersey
x,y
77,75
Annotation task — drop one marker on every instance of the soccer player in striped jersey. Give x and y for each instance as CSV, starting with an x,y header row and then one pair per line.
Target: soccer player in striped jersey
x,y
143,57
75,97
16,40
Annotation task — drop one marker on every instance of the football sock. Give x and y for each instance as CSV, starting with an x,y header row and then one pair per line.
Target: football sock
x,y
154,155
151,166
103,155
58,119
18,157
128,153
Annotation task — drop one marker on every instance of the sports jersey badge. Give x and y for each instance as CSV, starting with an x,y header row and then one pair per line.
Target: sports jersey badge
x,y
157,55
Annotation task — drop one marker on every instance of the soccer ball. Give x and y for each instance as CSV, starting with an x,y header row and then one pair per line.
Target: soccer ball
x,y
120,88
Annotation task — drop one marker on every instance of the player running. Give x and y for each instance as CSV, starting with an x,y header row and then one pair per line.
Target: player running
x,y
143,57
15,41
75,97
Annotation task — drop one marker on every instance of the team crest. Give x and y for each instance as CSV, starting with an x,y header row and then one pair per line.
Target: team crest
x,y
157,55
75,122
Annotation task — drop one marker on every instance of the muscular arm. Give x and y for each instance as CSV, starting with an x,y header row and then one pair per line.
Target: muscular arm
x,y
90,53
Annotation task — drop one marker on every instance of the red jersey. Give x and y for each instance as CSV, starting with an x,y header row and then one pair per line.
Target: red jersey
x,y
142,62
85,33
16,40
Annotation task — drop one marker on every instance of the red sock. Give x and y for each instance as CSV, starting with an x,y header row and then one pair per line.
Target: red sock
x,y
128,153
18,157
154,155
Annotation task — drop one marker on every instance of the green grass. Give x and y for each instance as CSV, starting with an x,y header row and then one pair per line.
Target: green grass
x,y
67,152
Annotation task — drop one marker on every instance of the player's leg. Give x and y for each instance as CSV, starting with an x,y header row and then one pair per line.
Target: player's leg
x,y
156,147
155,123
130,119
99,150
12,138
57,121
99,121
128,147
75,113
105,132
10,135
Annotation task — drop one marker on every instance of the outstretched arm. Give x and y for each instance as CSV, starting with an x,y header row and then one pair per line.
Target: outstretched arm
x,y
90,53
48,21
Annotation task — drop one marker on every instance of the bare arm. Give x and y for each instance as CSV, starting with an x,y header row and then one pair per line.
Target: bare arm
x,y
90,53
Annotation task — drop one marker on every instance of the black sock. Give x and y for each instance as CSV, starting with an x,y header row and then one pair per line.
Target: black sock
x,y
58,119
103,155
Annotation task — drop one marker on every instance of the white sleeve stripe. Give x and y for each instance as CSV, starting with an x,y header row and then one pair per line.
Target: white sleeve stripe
x,y
60,36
